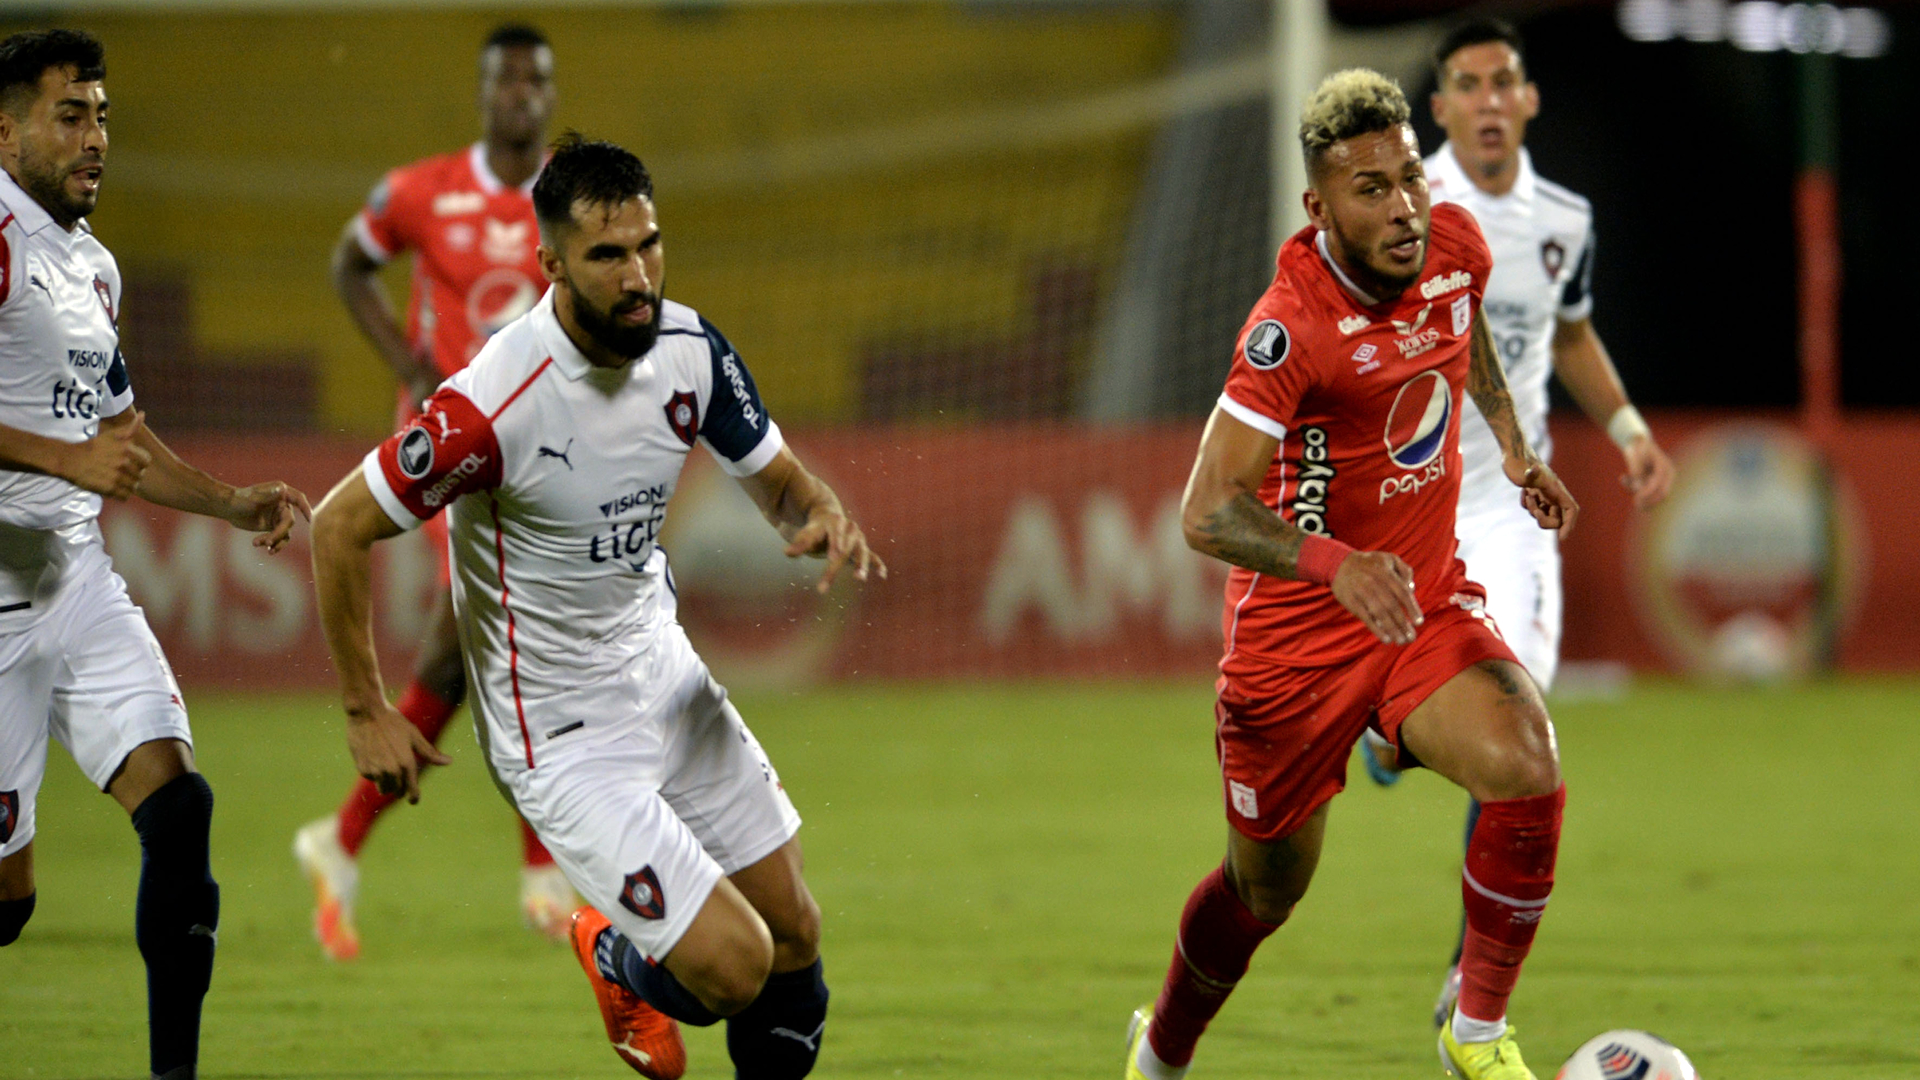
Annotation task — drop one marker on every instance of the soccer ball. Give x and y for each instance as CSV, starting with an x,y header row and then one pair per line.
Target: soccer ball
x,y
1627,1055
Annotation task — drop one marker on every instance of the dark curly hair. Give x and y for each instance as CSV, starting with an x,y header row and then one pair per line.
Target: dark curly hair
x,y
26,56
586,170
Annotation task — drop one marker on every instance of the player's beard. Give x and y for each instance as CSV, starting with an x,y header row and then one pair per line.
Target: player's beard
x,y
603,327
1378,282
46,181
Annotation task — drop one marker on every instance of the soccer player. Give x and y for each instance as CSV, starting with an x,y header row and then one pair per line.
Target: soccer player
x,y
1539,306
1328,475
467,218
77,659
555,454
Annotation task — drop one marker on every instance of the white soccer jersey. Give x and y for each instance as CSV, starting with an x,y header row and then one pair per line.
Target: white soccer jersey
x,y
558,474
60,372
1541,236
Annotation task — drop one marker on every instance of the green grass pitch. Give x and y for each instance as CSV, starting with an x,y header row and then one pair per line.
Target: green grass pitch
x,y
1001,869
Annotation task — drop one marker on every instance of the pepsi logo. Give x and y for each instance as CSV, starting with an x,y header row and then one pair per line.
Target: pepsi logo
x,y
1267,344
416,453
1417,423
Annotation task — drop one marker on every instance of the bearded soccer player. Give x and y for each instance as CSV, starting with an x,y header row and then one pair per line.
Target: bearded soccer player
x,y
555,455
77,659
1539,306
1328,475
467,219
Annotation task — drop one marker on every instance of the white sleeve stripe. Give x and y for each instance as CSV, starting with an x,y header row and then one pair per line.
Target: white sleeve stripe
x,y
1257,421
758,458
1579,311
376,478
368,244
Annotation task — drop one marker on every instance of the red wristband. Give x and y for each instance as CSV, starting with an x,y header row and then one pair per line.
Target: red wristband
x,y
1320,559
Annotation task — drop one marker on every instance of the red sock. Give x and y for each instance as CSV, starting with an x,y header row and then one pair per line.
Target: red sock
x,y
1505,883
1217,938
364,804
533,853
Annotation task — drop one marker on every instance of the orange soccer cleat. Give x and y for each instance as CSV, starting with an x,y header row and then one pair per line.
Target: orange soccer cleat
x,y
645,1038
336,879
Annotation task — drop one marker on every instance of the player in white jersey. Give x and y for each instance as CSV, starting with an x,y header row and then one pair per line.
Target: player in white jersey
x,y
77,660
1539,305
555,454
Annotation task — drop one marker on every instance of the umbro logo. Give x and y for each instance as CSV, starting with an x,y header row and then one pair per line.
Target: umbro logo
x,y
547,451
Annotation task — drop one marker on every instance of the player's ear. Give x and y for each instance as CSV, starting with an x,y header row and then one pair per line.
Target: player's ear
x,y
1316,207
1530,98
1436,103
550,266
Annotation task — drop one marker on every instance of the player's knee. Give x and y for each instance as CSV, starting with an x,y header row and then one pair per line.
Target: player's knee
x,y
732,976
1270,906
796,937
13,918
1525,764
729,990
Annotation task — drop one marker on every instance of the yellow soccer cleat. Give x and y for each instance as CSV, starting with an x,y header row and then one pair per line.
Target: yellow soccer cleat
x,y
336,879
547,902
1137,1034
1496,1060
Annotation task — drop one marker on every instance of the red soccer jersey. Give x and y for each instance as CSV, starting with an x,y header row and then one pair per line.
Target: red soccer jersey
x,y
472,240
1365,400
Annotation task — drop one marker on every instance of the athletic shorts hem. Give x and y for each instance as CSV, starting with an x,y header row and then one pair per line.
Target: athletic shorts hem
x,y
761,847
133,740
656,939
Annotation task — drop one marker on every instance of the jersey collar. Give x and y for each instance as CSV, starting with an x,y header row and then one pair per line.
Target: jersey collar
x,y
1320,244
1445,167
566,355
483,173
27,211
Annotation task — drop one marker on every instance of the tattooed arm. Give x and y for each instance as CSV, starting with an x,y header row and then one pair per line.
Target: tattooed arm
x,y
1544,496
1223,517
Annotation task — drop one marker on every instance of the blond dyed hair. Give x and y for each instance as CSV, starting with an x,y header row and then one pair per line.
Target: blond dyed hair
x,y
1357,101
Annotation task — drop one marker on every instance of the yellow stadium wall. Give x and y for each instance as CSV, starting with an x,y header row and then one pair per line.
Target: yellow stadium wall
x,y
815,207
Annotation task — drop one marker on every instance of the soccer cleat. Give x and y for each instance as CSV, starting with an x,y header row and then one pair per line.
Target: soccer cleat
x,y
547,901
1136,1034
1449,993
645,1039
336,881
1380,758
1496,1060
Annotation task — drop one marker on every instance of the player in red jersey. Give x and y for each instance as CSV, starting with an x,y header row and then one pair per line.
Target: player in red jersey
x,y
467,220
1328,476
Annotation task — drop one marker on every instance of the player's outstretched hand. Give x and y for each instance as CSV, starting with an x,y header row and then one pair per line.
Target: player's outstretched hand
x,y
390,751
1649,474
1543,495
110,463
835,536
269,509
1377,586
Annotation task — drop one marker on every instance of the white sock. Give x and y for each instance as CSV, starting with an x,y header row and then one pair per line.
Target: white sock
x,y
1152,1067
1468,1030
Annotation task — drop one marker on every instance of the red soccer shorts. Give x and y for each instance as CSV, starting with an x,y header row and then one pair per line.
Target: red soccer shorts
x,y
1284,743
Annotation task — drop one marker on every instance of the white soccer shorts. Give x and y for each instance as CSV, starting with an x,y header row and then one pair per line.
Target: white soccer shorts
x,y
1518,563
645,816
89,671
